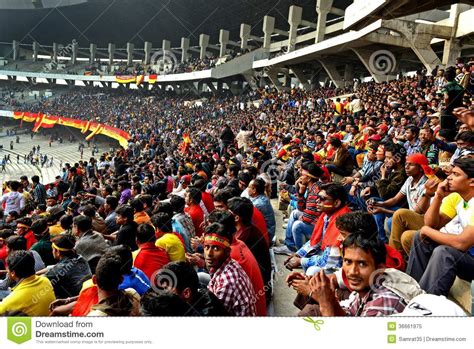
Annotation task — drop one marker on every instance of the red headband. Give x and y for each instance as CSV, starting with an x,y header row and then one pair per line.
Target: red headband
x,y
216,240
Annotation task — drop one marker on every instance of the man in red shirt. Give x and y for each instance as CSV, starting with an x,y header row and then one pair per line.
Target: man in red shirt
x,y
192,197
149,258
205,196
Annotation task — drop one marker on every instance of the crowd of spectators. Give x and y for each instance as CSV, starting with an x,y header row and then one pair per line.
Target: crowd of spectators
x,y
378,188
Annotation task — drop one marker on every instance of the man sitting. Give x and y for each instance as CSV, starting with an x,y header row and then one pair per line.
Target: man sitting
x,y
185,283
322,251
370,297
229,282
444,247
32,294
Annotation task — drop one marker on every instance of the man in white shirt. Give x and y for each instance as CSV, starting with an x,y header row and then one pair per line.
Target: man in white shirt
x,y
14,201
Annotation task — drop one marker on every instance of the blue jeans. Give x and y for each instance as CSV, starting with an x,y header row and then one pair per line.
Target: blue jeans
x,y
380,220
297,231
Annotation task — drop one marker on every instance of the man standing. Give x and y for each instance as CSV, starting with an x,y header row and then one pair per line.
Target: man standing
x,y
38,191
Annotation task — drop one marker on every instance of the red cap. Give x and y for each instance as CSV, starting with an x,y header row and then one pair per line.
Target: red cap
x,y
296,140
383,127
186,179
375,137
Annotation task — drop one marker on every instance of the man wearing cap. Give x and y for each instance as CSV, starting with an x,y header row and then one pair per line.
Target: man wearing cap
x,y
416,167
444,247
229,282
382,131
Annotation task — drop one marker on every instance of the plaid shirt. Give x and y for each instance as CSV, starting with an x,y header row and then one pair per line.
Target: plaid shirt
x,y
234,289
377,302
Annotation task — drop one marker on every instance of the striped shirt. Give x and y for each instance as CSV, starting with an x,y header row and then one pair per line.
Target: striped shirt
x,y
308,205
379,301
231,285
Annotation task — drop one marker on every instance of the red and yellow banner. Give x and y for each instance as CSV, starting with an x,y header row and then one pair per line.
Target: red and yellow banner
x,y
48,121
125,79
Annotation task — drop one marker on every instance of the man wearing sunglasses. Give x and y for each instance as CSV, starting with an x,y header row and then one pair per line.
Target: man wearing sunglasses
x,y
322,251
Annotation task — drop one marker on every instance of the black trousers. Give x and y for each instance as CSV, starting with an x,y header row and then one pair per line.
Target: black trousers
x,y
436,266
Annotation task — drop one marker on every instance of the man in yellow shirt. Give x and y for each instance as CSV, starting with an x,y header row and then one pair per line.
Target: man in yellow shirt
x,y
33,294
171,242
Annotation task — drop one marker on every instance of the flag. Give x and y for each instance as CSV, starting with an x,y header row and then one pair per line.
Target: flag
x,y
97,129
140,79
152,78
86,127
125,79
38,122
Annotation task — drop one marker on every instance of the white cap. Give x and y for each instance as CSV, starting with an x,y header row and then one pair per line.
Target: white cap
x,y
432,305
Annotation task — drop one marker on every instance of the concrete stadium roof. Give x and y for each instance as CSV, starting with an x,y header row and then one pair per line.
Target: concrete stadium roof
x,y
122,21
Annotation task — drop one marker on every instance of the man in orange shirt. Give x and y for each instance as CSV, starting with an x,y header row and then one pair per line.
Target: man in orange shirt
x,y
140,216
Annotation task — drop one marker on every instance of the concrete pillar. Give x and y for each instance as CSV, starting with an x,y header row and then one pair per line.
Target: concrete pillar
x,y
74,52
166,46
452,47
381,64
111,53
130,47
273,76
268,29
323,7
223,40
55,52
184,49
35,51
332,72
16,50
245,30
93,52
294,19
147,49
203,44
301,77
348,74
420,44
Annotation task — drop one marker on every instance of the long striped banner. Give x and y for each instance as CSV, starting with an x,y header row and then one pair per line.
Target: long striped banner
x,y
49,121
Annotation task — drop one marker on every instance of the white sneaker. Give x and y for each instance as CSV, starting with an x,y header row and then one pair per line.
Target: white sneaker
x,y
283,250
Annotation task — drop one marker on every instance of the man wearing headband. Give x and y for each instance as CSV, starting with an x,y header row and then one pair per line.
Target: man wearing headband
x,y
71,270
43,245
444,247
23,228
229,282
417,168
